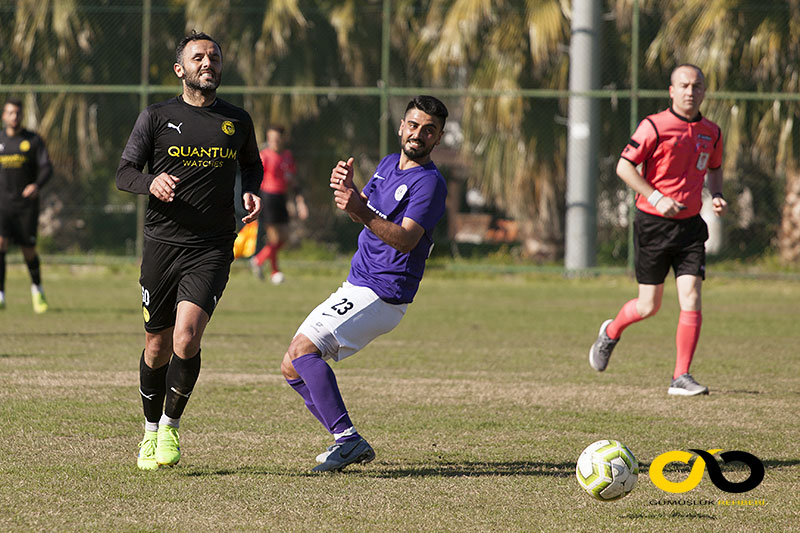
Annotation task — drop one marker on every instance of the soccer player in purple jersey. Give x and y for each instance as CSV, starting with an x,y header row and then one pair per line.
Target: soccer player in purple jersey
x,y
399,208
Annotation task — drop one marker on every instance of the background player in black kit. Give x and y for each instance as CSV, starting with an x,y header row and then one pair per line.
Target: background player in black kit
x,y
191,145
24,168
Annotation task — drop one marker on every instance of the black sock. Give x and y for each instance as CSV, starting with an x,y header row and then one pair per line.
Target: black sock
x,y
153,388
2,271
33,268
181,377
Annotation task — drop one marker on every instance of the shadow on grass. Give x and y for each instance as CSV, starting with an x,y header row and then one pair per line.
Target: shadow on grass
x,y
241,471
776,463
668,514
735,391
445,469
733,466
459,469
466,469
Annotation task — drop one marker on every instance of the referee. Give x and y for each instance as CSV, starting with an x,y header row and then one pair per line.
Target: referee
x,y
191,145
24,168
677,149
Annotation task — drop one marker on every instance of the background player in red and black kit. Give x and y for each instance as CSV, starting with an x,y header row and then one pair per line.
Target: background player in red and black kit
x,y
191,144
24,168
279,179
676,149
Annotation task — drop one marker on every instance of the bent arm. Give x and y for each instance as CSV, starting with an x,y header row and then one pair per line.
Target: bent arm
x,y
715,181
718,203
45,166
130,178
628,173
402,238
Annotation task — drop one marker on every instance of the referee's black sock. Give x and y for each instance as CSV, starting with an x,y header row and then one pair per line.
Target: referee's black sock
x,y
33,268
153,388
2,271
181,377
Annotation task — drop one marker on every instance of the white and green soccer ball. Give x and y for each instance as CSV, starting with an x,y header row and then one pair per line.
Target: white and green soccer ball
x,y
607,470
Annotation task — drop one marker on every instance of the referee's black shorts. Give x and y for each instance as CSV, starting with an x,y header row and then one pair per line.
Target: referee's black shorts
x,y
20,224
660,243
273,209
171,274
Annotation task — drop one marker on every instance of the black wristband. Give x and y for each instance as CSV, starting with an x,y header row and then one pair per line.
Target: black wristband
x,y
717,195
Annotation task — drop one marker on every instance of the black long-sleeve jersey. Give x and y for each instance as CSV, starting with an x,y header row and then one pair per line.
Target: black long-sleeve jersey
x,y
201,146
23,160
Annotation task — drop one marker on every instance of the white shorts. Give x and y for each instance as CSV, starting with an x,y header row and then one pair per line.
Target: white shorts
x,y
348,320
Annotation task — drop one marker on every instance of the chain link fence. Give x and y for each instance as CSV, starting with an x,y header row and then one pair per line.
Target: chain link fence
x,y
338,76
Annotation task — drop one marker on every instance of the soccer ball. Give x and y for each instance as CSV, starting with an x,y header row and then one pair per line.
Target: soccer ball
x,y
607,470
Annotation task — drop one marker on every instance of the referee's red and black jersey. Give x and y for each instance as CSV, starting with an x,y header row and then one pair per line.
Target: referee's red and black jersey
x,y
676,154
201,146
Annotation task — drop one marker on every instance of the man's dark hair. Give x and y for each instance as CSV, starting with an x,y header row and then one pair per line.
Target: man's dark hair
x,y
277,127
16,102
194,36
430,105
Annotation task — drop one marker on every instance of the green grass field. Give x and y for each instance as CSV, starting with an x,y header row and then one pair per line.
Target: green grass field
x,y
477,405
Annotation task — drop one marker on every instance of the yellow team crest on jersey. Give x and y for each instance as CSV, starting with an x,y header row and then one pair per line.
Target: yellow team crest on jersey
x,y
227,128
24,146
146,314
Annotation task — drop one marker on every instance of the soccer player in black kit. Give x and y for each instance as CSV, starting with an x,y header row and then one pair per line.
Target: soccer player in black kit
x,y
24,168
191,145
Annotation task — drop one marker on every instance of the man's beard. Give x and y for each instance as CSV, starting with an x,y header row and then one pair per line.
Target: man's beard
x,y
197,84
416,153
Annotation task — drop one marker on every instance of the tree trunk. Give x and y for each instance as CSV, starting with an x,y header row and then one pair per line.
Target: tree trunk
x,y
789,232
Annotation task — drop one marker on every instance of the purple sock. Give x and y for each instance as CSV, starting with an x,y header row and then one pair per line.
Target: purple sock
x,y
300,387
321,385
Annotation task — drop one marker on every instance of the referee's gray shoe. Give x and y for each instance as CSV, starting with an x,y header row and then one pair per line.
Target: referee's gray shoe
x,y
600,352
685,385
256,269
346,453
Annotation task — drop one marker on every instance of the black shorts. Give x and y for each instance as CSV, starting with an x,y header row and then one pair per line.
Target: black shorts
x,y
20,225
273,209
660,243
171,274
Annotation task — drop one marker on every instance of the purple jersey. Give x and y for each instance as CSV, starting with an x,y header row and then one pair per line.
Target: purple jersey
x,y
417,193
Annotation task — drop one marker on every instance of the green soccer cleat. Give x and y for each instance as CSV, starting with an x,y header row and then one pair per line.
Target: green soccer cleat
x,y
168,450
39,303
147,451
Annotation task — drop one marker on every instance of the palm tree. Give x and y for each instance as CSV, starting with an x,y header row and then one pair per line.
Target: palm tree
x,y
44,37
510,141
52,42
